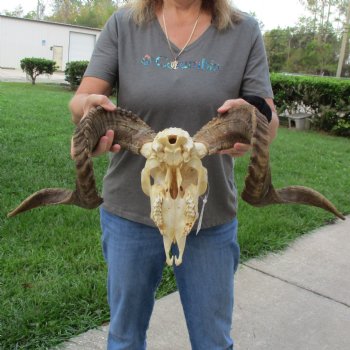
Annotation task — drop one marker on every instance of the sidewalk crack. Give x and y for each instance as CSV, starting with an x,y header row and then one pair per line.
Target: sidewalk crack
x,y
295,284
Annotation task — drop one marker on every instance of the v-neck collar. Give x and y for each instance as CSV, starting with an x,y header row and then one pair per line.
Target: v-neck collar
x,y
191,45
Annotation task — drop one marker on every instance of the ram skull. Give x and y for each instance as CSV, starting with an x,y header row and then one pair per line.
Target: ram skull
x,y
174,176
179,178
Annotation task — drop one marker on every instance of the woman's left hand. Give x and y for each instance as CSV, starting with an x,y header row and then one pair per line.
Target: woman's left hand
x,y
238,149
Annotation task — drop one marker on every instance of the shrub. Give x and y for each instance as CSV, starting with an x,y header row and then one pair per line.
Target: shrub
x,y
35,66
327,99
74,72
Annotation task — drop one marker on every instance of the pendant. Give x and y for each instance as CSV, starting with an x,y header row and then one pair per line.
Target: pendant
x,y
174,64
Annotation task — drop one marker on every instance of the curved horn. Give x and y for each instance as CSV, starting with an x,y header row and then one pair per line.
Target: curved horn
x,y
130,132
246,124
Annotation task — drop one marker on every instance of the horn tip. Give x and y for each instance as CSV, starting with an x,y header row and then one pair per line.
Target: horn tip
x,y
11,214
341,216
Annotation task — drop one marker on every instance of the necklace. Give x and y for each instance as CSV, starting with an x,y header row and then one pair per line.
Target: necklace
x,y
175,62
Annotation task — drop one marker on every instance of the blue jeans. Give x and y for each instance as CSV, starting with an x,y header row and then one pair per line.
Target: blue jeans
x,y
135,257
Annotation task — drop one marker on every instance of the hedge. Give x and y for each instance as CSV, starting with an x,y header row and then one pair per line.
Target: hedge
x,y
74,72
326,99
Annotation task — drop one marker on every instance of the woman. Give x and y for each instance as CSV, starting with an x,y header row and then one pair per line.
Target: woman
x,y
174,63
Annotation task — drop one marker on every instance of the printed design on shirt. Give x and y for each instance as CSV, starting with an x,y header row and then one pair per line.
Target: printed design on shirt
x,y
164,62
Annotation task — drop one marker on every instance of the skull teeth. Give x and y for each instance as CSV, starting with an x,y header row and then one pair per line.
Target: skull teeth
x,y
157,216
190,210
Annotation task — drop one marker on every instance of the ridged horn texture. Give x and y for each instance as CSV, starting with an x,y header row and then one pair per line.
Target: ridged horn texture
x,y
130,132
246,124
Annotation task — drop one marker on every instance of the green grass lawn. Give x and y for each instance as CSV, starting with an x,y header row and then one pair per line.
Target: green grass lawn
x,y
52,274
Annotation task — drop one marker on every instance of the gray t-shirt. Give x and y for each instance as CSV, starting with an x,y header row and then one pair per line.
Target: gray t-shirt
x,y
219,65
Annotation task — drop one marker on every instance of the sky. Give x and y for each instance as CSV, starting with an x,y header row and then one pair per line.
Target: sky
x,y
272,13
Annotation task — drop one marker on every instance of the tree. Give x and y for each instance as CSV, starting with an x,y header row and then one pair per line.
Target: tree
x,y
36,66
311,47
65,11
40,9
319,58
298,50
95,13
277,43
31,15
90,13
39,13
17,12
323,14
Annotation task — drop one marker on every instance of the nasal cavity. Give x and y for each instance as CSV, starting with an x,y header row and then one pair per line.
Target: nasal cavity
x,y
172,139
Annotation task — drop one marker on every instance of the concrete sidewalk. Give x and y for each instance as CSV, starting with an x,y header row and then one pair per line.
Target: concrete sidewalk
x,y
17,75
299,299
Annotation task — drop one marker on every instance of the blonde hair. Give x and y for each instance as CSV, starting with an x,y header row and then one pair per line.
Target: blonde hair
x,y
224,15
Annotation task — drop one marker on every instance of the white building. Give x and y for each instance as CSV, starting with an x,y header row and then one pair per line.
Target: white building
x,y
20,38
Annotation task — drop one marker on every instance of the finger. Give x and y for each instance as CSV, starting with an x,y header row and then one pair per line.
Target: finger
x,y
231,152
237,147
101,146
110,138
72,148
106,144
241,147
238,150
225,107
109,106
94,100
231,103
115,148
234,154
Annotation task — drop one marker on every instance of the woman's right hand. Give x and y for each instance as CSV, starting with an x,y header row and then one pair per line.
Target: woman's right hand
x,y
105,143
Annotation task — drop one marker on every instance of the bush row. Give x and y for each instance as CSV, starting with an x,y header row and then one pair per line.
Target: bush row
x,y
34,66
327,100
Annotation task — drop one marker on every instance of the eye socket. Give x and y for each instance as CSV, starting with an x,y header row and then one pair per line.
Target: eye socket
x,y
172,139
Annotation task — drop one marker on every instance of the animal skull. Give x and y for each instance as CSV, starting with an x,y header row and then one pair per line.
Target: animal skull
x,y
173,175
173,162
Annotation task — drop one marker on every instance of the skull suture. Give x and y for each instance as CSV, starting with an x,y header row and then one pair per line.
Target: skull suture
x,y
174,167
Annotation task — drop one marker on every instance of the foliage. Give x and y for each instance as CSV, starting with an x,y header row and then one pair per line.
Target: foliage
x,y
65,11
96,13
39,12
74,72
277,43
91,13
327,99
35,66
324,13
17,12
298,50
313,45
